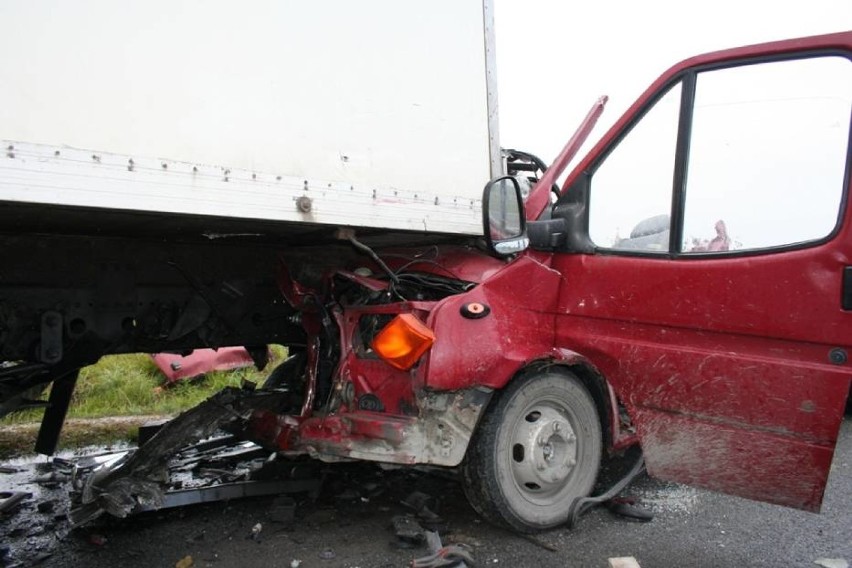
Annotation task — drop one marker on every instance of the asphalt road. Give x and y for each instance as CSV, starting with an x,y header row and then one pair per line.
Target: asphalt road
x,y
352,528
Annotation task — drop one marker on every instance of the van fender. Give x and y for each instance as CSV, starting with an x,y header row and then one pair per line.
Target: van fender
x,y
617,436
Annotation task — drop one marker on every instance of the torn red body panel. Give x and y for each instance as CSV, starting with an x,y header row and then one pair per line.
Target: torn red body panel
x,y
176,367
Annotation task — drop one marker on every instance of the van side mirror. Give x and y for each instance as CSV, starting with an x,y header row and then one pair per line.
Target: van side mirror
x,y
503,217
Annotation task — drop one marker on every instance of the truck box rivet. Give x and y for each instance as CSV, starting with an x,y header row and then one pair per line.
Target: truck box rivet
x,y
304,204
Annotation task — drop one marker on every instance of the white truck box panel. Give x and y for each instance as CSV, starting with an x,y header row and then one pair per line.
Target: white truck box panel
x,y
241,108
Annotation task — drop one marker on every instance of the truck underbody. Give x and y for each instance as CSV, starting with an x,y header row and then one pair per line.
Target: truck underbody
x,y
136,284
81,284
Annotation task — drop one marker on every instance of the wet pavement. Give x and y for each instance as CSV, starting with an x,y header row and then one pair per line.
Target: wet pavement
x,y
351,524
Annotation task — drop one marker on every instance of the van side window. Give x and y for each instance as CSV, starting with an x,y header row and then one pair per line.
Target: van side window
x,y
767,155
631,191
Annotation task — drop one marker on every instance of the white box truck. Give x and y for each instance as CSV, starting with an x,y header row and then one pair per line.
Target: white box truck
x,y
326,113
159,158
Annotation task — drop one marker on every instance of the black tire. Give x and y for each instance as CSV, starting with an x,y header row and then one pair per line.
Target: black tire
x,y
537,449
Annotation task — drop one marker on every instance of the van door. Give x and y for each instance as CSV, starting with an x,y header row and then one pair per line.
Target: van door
x,y
708,269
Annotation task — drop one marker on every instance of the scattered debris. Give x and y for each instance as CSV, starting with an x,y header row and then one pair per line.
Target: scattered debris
x,y
416,500
62,464
52,479
166,472
327,554
419,502
408,530
623,562
440,556
7,469
136,479
39,558
460,537
832,562
184,562
97,539
45,507
295,563
147,430
9,500
255,531
626,508
433,541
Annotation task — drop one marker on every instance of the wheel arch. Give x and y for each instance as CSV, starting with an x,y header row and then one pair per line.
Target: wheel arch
x,y
491,484
591,378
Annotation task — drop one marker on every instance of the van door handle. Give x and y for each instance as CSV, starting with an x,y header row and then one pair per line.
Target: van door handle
x,y
847,288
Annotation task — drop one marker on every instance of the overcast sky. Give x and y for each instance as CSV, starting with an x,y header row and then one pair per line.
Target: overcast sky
x,y
555,57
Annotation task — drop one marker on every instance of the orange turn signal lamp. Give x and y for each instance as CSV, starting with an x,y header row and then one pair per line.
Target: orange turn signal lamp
x,y
403,341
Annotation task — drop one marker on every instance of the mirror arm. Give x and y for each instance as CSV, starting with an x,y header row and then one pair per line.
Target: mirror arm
x,y
548,234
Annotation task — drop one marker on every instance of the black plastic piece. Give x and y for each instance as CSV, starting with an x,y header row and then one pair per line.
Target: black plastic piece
x,y
684,137
54,414
838,356
287,372
547,234
847,288
582,505
371,403
149,430
573,209
259,355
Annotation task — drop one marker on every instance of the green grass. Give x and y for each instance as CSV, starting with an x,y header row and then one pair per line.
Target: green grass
x,y
127,385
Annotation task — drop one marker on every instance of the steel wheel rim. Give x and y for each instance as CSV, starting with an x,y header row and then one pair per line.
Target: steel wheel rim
x,y
543,451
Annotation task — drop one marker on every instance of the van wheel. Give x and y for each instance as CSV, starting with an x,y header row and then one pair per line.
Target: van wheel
x,y
536,450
